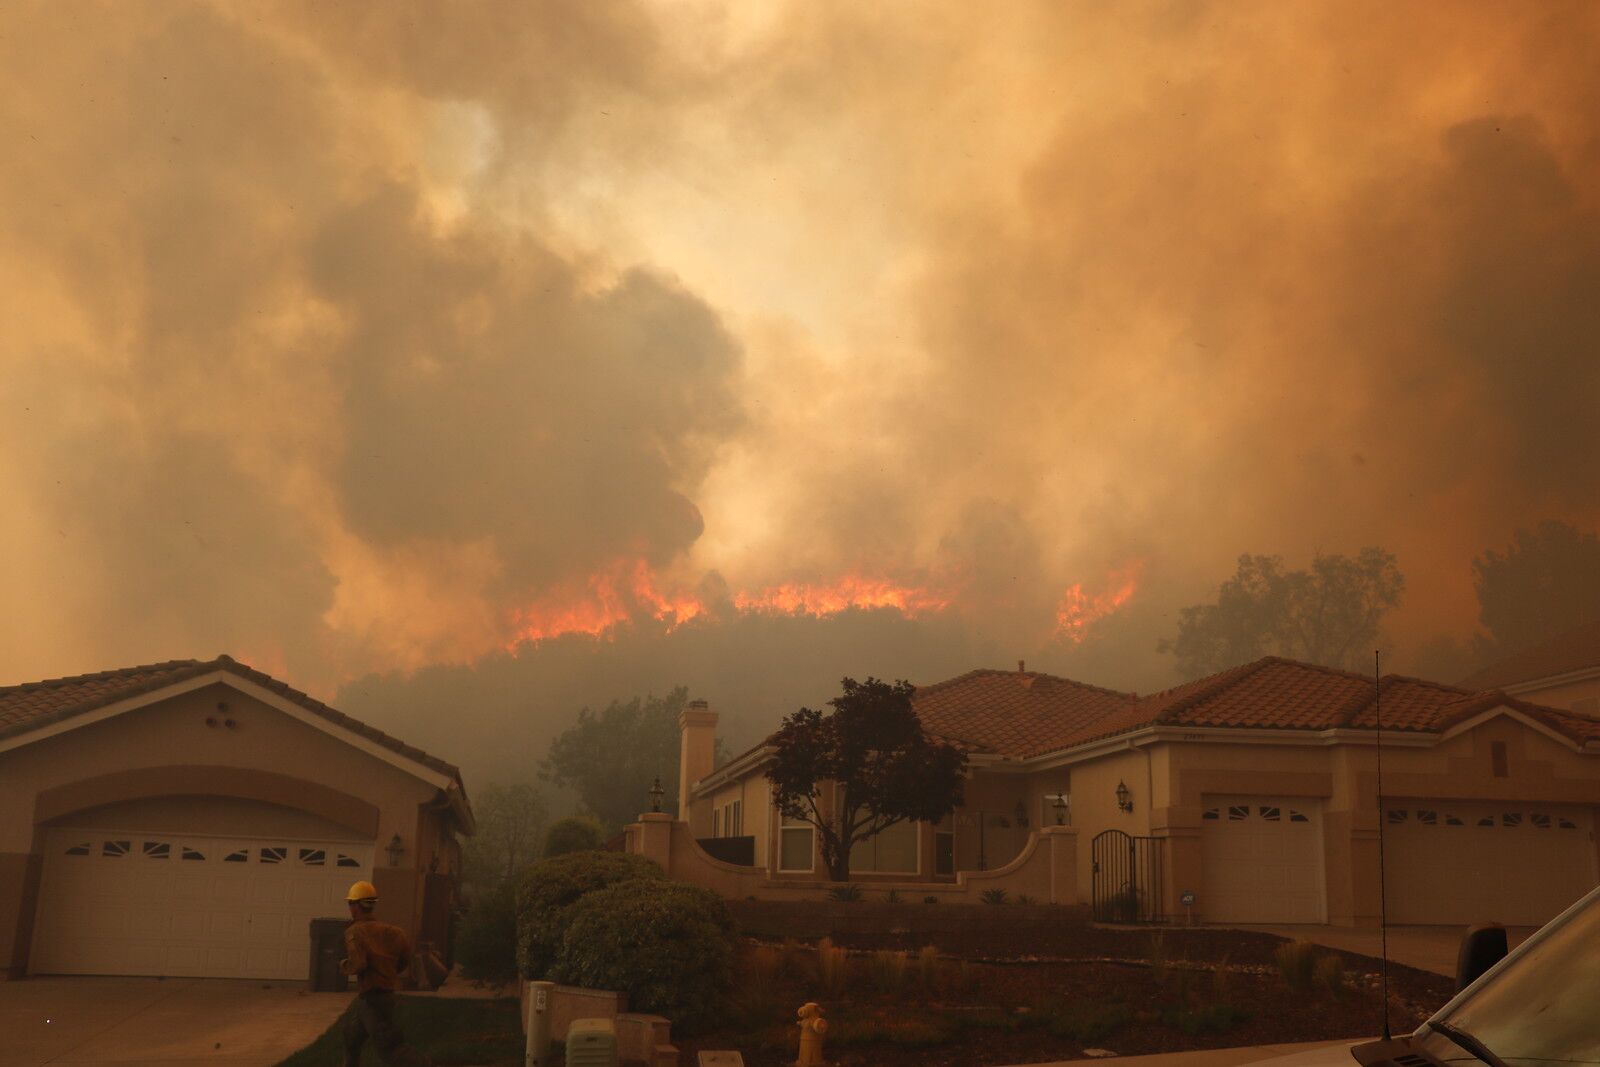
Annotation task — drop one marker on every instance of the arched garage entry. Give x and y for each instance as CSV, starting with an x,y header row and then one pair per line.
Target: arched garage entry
x,y
193,872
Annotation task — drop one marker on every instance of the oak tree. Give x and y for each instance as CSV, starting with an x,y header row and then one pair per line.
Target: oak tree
x,y
871,753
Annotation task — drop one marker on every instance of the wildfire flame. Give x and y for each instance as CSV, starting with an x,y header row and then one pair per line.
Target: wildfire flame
x,y
1079,610
623,591
631,590
851,591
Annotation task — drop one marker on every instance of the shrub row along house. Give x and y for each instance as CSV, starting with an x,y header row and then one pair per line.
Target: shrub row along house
x,y
190,818
1247,797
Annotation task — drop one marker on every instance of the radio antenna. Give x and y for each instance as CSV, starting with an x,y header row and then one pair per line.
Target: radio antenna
x,y
1383,904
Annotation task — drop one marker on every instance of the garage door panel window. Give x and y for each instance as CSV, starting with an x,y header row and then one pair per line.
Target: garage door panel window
x,y
193,854
157,850
80,850
348,861
115,848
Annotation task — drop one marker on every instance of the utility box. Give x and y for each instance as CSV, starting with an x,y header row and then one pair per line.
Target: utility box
x,y
592,1043
327,949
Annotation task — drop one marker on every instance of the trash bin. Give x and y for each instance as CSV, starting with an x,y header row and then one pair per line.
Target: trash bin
x,y
327,949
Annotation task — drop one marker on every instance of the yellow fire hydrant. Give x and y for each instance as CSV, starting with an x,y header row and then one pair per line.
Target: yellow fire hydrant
x,y
812,1027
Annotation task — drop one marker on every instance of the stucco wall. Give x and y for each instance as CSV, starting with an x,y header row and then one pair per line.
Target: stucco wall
x,y
166,749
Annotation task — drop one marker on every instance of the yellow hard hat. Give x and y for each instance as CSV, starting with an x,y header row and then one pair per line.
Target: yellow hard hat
x,y
362,891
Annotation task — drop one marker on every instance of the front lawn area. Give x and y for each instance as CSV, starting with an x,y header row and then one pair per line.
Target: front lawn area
x,y
1037,985
449,1030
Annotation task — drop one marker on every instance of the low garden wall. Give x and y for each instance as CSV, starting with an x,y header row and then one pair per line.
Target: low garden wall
x,y
773,920
1045,871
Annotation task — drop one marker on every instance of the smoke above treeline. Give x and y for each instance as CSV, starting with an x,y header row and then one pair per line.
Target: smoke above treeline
x,y
478,361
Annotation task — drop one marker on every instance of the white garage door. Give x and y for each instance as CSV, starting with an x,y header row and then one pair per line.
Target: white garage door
x,y
1261,861
1505,862
132,902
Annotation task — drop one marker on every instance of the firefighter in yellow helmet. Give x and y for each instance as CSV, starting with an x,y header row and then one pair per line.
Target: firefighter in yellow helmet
x,y
376,955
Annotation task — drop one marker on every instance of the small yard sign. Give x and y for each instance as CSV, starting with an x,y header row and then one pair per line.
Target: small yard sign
x,y
1186,898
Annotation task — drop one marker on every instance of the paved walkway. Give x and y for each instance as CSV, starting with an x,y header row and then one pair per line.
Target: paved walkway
x,y
1211,1057
153,1022
1427,948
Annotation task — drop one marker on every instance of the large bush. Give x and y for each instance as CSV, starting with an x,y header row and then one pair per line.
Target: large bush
x,y
667,945
577,833
551,886
486,942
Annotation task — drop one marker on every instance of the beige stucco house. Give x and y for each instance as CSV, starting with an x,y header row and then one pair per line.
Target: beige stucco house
x,y
1251,794
190,818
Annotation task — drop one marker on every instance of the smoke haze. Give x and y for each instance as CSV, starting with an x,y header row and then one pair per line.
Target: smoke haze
x,y
396,352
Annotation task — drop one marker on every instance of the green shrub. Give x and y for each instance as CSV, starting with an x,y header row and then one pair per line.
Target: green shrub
x,y
1297,961
892,897
848,894
668,946
993,896
552,886
486,941
930,900
1023,898
577,833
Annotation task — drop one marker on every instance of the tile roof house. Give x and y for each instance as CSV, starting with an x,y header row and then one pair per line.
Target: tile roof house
x,y
203,812
1251,794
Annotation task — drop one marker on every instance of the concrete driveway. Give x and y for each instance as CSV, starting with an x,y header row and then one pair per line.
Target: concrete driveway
x,y
1427,948
155,1022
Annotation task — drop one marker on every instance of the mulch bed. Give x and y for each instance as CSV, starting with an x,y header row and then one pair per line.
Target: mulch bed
x,y
1008,991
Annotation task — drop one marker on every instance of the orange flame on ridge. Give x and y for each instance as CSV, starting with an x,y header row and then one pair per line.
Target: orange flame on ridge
x,y
1078,610
850,591
623,591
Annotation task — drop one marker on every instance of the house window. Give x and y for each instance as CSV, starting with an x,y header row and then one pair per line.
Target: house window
x,y
736,817
796,846
1497,758
894,851
944,847
716,822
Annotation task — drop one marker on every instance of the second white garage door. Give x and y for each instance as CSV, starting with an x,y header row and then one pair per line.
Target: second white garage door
x,y
1510,862
142,903
1261,861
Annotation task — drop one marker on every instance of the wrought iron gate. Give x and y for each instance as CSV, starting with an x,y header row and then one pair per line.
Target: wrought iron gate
x,y
1127,878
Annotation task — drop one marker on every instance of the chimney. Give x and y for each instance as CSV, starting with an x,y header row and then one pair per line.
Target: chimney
x,y
1021,667
697,751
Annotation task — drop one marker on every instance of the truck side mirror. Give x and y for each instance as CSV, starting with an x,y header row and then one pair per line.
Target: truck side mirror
x,y
1482,947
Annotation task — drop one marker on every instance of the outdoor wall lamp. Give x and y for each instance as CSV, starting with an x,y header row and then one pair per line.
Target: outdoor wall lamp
x,y
656,793
1061,809
1124,801
395,848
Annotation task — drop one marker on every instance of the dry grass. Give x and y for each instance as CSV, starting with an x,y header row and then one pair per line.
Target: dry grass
x,y
889,970
1297,962
833,967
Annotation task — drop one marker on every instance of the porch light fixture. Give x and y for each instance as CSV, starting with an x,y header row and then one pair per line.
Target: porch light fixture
x,y
1022,815
395,848
1124,800
1061,809
656,793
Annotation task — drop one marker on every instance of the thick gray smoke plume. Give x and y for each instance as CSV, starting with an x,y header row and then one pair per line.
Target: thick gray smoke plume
x,y
358,342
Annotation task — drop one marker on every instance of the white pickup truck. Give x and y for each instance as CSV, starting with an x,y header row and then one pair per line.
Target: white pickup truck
x,y
1537,1007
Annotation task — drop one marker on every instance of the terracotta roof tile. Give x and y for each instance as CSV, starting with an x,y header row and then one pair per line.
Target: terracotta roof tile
x,y
1013,713
32,705
1571,651
1283,694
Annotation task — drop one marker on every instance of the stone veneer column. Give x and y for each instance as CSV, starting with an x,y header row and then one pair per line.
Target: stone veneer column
x,y
697,752
655,838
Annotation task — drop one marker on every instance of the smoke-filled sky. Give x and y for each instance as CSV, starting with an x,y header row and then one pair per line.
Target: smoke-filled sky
x,y
379,345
